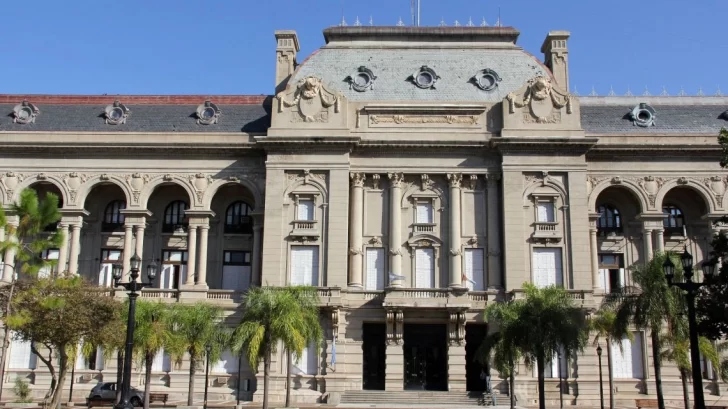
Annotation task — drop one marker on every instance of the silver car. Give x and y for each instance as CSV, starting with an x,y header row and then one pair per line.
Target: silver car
x,y
106,391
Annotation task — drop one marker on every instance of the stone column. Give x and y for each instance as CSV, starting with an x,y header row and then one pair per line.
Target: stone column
x,y
660,239
202,269
139,249
647,237
456,258
596,285
356,229
191,254
395,229
63,251
255,262
125,262
9,260
75,248
494,241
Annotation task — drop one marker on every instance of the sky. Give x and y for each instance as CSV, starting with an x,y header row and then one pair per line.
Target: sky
x,y
228,46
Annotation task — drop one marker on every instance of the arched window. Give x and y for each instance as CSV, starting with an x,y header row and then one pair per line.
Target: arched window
x,y
610,220
113,219
675,221
237,218
174,216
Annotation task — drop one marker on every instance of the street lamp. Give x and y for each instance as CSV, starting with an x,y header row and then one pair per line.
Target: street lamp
x,y
601,385
691,289
133,287
208,349
561,382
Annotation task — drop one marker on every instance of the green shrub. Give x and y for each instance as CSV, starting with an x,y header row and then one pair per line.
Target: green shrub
x,y
22,390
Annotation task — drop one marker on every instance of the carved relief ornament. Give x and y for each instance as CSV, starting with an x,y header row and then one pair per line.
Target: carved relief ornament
x,y
455,179
717,185
312,100
396,179
541,98
357,179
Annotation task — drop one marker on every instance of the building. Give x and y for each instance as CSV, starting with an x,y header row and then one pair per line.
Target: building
x,y
414,174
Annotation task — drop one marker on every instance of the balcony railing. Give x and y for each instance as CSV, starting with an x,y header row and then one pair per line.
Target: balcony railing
x,y
424,227
547,230
162,293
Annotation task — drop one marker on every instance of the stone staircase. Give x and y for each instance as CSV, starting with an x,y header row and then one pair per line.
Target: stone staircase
x,y
382,398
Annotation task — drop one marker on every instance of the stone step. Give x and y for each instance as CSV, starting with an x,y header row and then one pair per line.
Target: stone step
x,y
412,397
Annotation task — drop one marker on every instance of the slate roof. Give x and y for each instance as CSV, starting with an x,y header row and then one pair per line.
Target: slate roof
x,y
144,117
674,115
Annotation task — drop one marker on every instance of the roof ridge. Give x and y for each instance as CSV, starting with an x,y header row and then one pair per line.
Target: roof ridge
x,y
181,99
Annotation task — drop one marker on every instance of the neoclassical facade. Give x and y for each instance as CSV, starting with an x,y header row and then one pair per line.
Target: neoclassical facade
x,y
413,174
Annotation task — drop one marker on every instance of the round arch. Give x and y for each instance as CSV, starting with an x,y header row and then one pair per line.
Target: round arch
x,y
700,189
52,179
311,181
158,181
434,189
627,185
87,187
246,183
548,183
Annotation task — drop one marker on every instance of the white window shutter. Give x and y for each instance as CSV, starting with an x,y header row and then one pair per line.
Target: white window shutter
x,y
305,210
547,269
162,362
637,358
474,269
545,212
245,278
300,365
182,275
99,358
81,361
424,268
21,355
375,268
304,265
165,276
227,364
604,279
424,212
105,275
622,278
235,277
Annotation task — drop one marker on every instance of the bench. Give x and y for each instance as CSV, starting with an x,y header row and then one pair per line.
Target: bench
x,y
716,407
99,402
159,397
645,403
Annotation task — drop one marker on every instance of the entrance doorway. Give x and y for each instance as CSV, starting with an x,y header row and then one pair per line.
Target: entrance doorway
x,y
474,336
425,357
374,349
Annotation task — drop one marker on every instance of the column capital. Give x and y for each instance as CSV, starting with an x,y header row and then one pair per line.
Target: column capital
x,y
395,179
357,179
454,179
493,178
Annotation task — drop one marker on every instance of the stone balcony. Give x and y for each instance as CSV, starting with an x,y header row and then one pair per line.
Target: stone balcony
x,y
582,298
548,231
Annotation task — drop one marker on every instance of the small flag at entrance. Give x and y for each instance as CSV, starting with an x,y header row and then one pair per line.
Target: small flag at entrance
x,y
465,278
393,277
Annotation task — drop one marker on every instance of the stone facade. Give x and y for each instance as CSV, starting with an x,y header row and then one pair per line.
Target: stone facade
x,y
413,174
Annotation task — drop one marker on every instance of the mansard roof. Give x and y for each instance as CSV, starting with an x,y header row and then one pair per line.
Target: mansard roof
x,y
149,113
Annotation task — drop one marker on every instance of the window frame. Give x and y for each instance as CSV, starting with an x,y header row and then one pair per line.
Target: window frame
x,y
241,211
173,210
674,223
113,211
297,199
614,223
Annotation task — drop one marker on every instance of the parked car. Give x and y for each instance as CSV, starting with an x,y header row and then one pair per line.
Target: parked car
x,y
106,391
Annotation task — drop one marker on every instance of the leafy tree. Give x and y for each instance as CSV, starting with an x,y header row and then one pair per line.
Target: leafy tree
x,y
712,302
648,307
546,321
678,351
29,239
723,142
196,327
502,346
272,315
57,314
604,327
153,331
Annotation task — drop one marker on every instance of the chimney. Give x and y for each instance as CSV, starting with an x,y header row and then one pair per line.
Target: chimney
x,y
286,50
556,56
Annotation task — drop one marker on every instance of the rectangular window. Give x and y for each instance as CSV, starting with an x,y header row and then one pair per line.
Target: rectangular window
x,y
162,362
424,212
49,255
545,212
627,360
375,269
236,270
109,257
227,364
305,210
304,265
21,355
307,363
551,370
611,272
474,271
547,268
93,361
174,269
424,268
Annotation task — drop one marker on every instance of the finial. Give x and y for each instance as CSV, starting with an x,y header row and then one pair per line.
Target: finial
x,y
498,22
700,92
400,23
371,20
457,23
593,92
443,23
343,22
576,92
357,22
664,92
647,92
629,92
470,22
611,92
682,92
718,93
484,23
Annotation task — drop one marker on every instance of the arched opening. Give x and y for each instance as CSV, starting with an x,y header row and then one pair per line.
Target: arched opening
x,y
230,254
684,208
102,238
42,189
174,216
168,242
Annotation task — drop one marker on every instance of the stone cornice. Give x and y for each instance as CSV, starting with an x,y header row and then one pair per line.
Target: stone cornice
x,y
708,152
540,145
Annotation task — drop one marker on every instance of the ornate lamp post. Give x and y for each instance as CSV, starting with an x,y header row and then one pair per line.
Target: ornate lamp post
x,y
208,349
601,385
133,287
691,289
561,382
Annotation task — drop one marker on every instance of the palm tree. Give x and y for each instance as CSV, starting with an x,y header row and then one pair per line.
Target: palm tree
x,y
310,330
604,328
111,339
289,315
196,327
547,321
723,368
678,351
648,307
502,345
153,332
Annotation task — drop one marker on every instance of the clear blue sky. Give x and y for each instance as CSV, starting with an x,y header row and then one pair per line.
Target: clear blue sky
x,y
227,46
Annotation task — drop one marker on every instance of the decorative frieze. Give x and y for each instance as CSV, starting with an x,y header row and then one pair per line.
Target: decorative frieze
x,y
469,120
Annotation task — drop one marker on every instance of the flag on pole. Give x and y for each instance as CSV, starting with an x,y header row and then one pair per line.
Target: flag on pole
x,y
393,277
465,278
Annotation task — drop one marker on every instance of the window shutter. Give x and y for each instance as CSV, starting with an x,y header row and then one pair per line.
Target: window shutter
x,y
424,268
81,361
375,268
105,275
182,276
622,278
21,356
547,267
474,269
545,212
245,278
424,212
306,364
305,210
228,364
99,358
162,362
304,265
637,358
165,276
604,279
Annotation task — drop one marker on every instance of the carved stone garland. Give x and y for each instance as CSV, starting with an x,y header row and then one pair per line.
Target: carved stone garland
x,y
309,98
541,98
